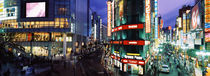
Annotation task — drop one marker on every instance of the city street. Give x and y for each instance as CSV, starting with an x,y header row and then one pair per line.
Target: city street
x,y
104,37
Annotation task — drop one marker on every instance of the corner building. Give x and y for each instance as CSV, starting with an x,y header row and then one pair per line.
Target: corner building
x,y
53,29
130,35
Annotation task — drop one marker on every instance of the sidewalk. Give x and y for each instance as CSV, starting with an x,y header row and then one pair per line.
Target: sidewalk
x,y
198,72
14,71
59,70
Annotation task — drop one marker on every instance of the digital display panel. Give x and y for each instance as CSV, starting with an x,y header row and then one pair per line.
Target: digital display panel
x,y
36,9
195,17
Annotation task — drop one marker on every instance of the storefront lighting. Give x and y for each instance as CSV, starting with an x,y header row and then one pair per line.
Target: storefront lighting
x,y
120,28
203,53
134,54
133,26
141,62
134,43
127,27
109,7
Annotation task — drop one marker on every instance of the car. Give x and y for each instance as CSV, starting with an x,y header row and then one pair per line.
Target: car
x,y
165,68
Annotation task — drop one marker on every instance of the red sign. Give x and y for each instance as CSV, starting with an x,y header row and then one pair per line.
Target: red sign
x,y
112,56
133,61
116,42
147,15
147,59
195,14
141,62
126,42
207,29
161,25
127,27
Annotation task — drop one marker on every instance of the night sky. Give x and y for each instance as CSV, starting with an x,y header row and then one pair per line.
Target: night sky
x,y
100,7
168,9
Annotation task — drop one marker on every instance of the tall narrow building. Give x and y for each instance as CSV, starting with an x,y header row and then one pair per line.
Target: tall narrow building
x,y
130,21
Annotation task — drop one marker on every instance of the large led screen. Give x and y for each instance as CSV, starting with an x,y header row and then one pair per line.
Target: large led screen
x,y
36,9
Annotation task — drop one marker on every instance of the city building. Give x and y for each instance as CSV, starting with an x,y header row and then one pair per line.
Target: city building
x,y
46,27
95,26
103,33
129,22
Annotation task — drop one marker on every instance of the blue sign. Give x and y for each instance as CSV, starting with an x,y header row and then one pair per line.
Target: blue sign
x,y
207,25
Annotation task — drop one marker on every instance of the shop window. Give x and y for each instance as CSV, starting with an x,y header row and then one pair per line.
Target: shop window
x,y
41,37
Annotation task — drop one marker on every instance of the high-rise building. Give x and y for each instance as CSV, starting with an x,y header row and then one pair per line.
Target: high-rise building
x,y
46,27
103,32
130,21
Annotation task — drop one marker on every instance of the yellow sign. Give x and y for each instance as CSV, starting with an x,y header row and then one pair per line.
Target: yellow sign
x,y
135,54
117,52
207,11
121,8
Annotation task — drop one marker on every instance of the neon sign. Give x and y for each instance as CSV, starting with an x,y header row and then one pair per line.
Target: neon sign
x,y
109,18
147,14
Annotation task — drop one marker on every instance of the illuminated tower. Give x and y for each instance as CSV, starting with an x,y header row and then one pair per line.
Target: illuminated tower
x,y
130,22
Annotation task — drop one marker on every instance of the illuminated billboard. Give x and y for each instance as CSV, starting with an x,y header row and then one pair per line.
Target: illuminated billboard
x,y
121,8
10,3
207,37
156,19
184,23
1,8
36,9
180,22
207,12
109,18
148,17
195,17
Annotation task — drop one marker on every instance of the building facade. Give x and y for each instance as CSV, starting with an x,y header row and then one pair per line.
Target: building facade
x,y
130,21
46,27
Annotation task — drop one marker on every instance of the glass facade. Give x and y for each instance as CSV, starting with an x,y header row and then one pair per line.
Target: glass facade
x,y
129,12
128,37
37,36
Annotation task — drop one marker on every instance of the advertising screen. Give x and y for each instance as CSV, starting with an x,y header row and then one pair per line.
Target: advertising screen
x,y
207,37
36,9
195,17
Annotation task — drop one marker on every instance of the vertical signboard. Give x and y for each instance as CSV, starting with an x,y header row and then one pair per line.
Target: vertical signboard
x,y
148,17
109,18
184,23
156,19
207,37
207,24
207,12
113,14
195,17
180,21
161,23
121,9
1,8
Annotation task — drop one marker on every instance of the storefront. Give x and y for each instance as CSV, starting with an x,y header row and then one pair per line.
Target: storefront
x,y
132,66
